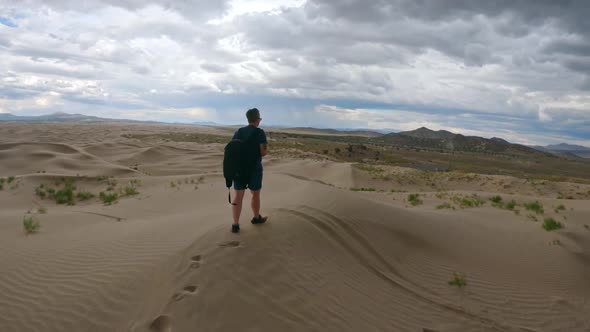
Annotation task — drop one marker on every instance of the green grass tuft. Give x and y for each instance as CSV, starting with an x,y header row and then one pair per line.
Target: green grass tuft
x,y
458,280
414,199
130,191
535,207
65,195
109,198
30,225
363,189
468,201
560,207
510,205
84,195
444,206
10,179
550,224
496,199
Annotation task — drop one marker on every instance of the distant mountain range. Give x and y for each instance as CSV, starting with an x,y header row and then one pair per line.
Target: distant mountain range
x,y
67,117
419,138
447,141
60,117
565,149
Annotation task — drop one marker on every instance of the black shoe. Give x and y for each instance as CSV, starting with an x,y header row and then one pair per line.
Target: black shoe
x,y
235,228
258,220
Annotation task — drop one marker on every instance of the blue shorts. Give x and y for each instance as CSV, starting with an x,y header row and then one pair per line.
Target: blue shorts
x,y
254,185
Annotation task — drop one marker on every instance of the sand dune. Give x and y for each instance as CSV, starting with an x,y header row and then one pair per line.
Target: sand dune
x,y
329,259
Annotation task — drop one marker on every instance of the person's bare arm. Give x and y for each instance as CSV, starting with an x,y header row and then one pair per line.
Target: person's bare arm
x,y
263,149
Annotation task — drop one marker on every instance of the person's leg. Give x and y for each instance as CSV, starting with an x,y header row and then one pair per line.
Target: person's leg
x,y
255,187
255,202
237,205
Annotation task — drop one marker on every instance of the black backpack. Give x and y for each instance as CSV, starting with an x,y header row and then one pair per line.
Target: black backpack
x,y
239,158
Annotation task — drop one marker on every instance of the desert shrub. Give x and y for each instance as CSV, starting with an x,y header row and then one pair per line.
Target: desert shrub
x,y
458,280
551,224
363,189
560,207
111,184
30,225
469,201
414,199
84,195
10,179
130,191
65,195
444,206
41,210
535,207
497,201
108,198
510,205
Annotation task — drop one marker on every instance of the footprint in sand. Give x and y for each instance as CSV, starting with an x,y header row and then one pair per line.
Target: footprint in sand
x,y
196,261
161,324
230,244
188,290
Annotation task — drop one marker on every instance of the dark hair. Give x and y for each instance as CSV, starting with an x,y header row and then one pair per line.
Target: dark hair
x,y
253,114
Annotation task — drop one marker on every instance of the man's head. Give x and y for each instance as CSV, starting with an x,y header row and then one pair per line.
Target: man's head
x,y
253,116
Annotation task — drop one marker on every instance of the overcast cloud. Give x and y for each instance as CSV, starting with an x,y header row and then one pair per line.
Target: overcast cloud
x,y
515,69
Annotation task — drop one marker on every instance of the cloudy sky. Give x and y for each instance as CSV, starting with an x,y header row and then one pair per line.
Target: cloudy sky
x,y
514,69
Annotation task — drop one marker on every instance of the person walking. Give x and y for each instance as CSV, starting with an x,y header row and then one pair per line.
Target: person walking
x,y
256,147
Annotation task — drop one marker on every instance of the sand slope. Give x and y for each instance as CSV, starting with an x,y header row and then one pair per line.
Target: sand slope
x,y
329,259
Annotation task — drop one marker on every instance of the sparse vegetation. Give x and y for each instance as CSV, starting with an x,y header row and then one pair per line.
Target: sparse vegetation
x,y
560,207
84,195
458,280
10,179
445,205
497,201
535,207
510,205
414,199
363,189
30,225
65,195
108,198
130,191
111,183
468,201
551,224
42,210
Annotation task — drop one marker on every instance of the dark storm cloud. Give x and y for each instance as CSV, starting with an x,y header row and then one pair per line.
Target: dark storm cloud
x,y
193,8
521,67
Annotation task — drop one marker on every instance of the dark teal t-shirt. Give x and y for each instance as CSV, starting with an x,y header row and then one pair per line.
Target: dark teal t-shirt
x,y
245,132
